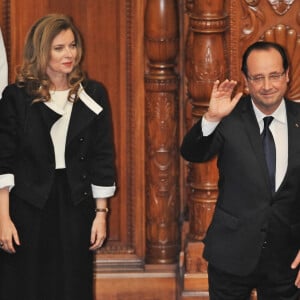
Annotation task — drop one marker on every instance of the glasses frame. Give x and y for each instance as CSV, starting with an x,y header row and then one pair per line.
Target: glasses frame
x,y
275,77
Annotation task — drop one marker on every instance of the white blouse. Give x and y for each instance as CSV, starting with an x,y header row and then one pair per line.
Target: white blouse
x,y
60,104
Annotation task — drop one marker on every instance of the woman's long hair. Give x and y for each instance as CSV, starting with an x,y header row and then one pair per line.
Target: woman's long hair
x,y
32,73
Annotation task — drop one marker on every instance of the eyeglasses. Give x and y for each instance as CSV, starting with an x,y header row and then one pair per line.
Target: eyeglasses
x,y
274,77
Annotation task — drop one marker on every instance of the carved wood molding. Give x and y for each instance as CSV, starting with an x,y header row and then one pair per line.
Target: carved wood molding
x,y
281,6
289,38
162,158
134,233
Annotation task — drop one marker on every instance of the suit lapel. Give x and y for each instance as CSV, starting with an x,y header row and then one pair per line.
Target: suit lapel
x,y
81,117
84,111
49,116
293,123
252,130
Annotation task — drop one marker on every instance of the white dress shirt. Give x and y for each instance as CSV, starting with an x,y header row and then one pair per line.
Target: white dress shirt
x,y
279,130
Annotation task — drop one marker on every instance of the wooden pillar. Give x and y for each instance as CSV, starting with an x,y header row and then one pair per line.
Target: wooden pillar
x,y
162,156
205,63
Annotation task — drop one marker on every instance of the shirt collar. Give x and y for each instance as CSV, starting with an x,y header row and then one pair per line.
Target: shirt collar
x,y
279,114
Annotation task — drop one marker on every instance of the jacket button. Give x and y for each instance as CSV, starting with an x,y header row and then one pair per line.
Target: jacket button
x,y
85,193
83,177
265,243
82,158
81,139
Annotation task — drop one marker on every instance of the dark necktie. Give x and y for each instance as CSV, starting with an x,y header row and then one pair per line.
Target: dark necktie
x,y
270,150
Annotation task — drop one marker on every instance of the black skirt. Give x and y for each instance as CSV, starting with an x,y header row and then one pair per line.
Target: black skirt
x,y
53,261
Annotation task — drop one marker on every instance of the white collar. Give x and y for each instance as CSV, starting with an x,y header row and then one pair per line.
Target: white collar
x,y
279,114
84,97
89,101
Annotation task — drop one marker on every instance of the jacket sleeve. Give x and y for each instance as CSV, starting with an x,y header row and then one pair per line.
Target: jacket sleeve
x,y
9,120
103,152
196,147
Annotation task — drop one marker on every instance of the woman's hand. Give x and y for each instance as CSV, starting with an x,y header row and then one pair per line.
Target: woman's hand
x,y
296,264
98,232
8,233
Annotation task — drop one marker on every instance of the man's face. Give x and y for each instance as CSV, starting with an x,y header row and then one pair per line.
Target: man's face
x,y
266,79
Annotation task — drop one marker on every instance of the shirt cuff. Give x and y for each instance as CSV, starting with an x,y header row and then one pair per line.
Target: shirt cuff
x,y
7,180
103,191
208,127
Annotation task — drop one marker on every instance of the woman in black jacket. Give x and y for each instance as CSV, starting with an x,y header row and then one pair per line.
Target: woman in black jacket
x,y
56,169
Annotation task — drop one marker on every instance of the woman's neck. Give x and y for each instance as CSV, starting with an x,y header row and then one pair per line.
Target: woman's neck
x,y
59,82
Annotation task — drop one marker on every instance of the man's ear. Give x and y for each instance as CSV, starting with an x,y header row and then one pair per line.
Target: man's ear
x,y
287,75
246,88
245,79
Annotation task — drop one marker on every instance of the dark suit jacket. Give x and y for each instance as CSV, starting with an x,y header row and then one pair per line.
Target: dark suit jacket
x,y
245,206
27,152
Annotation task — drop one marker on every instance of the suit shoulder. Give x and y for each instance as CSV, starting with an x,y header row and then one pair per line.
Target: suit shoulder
x,y
96,91
14,93
292,103
93,86
13,89
243,105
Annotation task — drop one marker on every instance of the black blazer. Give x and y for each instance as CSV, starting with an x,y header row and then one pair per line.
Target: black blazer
x,y
27,152
245,206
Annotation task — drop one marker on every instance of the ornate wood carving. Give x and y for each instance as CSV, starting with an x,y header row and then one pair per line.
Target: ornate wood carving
x,y
161,85
290,40
281,6
206,62
257,23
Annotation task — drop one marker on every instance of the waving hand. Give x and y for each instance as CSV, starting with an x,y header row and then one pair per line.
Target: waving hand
x,y
221,103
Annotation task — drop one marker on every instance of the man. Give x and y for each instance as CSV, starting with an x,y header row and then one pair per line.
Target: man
x,y
3,65
254,238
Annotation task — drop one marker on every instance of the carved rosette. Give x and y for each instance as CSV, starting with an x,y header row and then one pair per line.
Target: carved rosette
x,y
281,7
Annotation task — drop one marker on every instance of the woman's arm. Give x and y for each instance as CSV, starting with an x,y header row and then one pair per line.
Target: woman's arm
x,y
98,231
8,232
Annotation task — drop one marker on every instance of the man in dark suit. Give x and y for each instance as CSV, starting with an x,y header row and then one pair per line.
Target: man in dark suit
x,y
254,238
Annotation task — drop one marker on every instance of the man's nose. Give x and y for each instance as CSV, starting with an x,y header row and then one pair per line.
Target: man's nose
x,y
267,83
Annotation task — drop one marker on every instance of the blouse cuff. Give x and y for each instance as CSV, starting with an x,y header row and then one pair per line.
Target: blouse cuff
x,y
103,191
7,180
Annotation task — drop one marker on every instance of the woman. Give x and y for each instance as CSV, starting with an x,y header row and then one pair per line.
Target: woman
x,y
56,169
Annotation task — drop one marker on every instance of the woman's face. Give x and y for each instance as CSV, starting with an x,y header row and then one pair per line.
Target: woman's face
x,y
63,53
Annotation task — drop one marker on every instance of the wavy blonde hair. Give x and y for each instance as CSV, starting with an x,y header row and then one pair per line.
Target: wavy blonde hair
x,y
32,73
